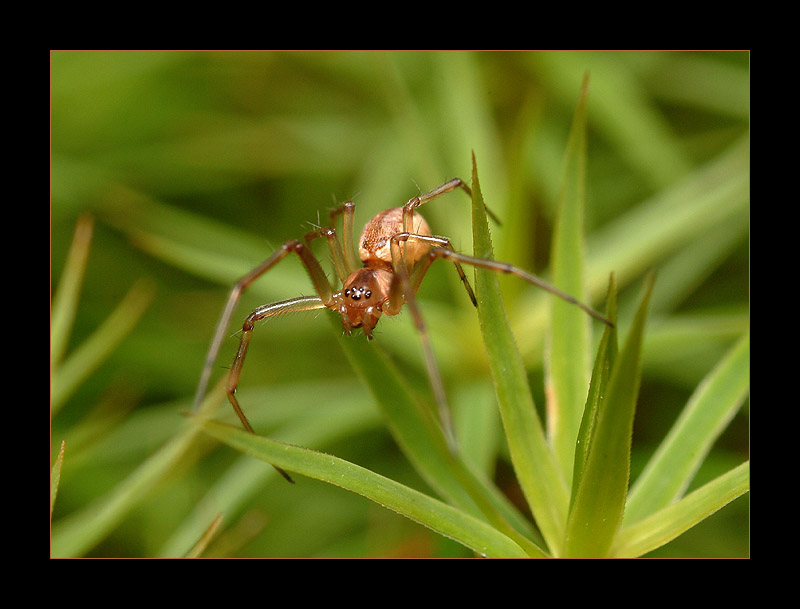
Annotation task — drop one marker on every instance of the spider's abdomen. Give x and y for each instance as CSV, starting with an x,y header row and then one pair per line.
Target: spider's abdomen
x,y
374,246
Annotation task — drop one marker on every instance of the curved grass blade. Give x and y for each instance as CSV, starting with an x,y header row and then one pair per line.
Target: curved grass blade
x,y
568,361
417,430
537,472
596,513
247,478
440,517
669,522
708,412
84,360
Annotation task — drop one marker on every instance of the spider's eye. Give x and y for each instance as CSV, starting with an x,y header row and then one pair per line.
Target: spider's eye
x,y
367,294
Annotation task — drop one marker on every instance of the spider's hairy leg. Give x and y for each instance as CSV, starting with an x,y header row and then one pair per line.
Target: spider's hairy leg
x,y
318,278
414,202
403,290
304,303
324,298
347,211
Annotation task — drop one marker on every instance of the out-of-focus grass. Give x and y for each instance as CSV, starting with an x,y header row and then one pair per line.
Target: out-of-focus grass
x,y
196,165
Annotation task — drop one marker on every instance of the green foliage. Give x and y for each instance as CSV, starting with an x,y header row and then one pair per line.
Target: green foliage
x,y
196,166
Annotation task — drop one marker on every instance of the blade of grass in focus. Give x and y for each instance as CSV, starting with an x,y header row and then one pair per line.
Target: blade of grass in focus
x,y
604,362
440,517
418,431
599,502
542,483
289,414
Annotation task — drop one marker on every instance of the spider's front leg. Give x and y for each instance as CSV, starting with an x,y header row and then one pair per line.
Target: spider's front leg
x,y
303,303
324,298
318,278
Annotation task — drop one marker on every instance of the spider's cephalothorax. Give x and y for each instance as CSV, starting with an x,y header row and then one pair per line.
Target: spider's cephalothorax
x,y
363,297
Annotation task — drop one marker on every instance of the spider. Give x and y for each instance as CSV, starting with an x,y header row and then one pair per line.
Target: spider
x,y
396,248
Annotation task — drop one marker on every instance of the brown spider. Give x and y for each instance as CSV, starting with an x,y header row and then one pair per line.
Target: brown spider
x,y
396,249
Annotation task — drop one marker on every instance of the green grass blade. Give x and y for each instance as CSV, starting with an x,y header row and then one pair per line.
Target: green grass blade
x,y
55,478
711,407
84,360
65,301
247,478
440,517
636,241
597,510
622,112
537,472
669,522
604,362
202,543
76,534
568,363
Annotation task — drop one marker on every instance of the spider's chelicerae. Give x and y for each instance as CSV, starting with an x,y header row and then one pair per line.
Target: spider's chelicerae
x,y
396,248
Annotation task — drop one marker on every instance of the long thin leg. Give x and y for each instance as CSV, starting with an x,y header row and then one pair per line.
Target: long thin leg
x,y
418,273
337,255
293,305
347,210
318,278
401,291
303,303
501,267
413,203
325,298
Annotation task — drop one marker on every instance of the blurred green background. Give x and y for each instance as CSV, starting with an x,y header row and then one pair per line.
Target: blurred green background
x,y
196,165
